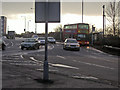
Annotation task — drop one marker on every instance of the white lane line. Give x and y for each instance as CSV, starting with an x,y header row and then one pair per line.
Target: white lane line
x,y
101,59
21,56
17,61
61,57
23,64
12,43
91,64
65,66
57,65
32,58
51,47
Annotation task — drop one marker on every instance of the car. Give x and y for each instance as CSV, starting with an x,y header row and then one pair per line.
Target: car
x,y
71,44
51,40
30,43
2,45
41,40
35,36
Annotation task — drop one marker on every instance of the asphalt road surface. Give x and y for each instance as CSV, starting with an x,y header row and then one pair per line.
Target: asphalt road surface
x,y
88,64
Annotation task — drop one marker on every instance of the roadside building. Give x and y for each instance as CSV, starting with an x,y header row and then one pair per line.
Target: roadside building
x,y
3,22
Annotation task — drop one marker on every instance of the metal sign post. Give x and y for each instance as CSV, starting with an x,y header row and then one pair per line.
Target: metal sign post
x,y
45,72
46,12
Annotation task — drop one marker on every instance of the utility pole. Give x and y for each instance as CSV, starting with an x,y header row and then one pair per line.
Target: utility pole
x,y
103,20
118,19
82,10
25,23
35,28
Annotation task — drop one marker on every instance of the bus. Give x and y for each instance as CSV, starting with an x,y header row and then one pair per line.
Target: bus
x,y
79,31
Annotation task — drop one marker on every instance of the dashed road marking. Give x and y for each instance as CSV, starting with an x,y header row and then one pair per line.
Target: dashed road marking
x,y
91,64
61,57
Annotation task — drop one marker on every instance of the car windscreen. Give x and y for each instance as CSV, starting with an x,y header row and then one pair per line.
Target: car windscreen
x,y
71,41
51,38
41,38
30,40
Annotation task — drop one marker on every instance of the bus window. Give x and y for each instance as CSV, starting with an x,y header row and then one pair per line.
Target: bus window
x,y
82,26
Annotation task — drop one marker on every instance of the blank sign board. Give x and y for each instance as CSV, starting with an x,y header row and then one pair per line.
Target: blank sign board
x,y
53,11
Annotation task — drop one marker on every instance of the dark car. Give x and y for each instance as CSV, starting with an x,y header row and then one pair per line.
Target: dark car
x,y
30,43
2,45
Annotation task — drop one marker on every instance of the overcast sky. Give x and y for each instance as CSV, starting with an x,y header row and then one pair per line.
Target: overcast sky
x,y
14,10
90,8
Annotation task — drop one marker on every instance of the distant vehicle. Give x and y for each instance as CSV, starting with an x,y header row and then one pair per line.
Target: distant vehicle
x,y
71,44
51,40
4,37
2,45
35,36
30,43
11,35
79,31
41,40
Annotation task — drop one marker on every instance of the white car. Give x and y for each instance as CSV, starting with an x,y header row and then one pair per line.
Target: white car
x,y
51,40
35,36
41,40
71,44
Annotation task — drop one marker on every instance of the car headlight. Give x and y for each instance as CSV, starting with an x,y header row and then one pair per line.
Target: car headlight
x,y
77,45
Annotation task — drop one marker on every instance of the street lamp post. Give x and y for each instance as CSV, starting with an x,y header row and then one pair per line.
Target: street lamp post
x,y
28,24
82,10
35,23
103,23
103,19
25,23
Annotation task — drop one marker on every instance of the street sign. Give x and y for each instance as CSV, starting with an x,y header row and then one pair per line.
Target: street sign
x,y
53,11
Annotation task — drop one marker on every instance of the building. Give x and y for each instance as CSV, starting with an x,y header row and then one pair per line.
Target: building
x,y
3,25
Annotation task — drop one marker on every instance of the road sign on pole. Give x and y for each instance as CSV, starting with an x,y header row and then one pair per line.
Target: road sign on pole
x,y
53,11
46,12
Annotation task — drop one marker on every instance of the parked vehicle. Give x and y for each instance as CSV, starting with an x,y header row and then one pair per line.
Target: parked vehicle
x,y
41,40
51,40
30,43
71,44
2,45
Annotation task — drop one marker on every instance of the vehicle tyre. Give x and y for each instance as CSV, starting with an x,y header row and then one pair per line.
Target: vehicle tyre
x,y
64,48
22,48
38,47
35,48
78,49
3,48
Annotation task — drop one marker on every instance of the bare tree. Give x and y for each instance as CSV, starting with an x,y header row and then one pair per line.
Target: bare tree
x,y
112,15
58,28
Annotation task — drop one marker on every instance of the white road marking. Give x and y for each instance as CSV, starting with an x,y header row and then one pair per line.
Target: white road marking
x,y
17,61
65,66
96,65
49,70
101,59
61,57
85,77
32,58
12,43
22,64
21,56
